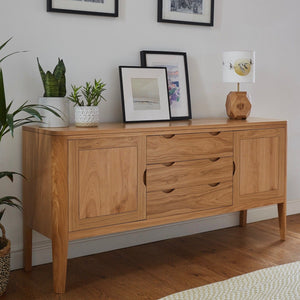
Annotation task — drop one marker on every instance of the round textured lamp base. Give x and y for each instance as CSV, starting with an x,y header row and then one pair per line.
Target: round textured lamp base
x,y
238,105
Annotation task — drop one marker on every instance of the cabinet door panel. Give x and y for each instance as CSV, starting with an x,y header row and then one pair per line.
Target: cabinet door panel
x,y
106,182
260,157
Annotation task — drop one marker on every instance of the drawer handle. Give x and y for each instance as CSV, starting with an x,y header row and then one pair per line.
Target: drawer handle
x,y
215,159
214,184
169,164
168,136
215,133
168,191
145,178
233,171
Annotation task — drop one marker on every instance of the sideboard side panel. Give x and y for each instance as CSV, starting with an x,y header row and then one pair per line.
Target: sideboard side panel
x,y
37,182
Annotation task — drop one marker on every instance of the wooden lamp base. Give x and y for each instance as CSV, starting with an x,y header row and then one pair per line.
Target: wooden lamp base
x,y
238,105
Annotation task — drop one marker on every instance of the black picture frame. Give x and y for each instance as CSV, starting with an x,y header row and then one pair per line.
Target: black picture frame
x,y
142,112
168,16
114,13
178,111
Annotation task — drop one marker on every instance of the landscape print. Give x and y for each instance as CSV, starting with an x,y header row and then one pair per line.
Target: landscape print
x,y
145,93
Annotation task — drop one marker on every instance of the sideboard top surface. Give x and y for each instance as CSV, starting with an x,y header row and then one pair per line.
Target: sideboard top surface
x,y
144,127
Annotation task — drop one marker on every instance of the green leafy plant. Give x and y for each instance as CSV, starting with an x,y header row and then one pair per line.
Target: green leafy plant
x,y
92,93
9,121
54,83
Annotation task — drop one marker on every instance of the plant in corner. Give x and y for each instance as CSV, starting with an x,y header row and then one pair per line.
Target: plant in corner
x,y
9,121
54,95
87,109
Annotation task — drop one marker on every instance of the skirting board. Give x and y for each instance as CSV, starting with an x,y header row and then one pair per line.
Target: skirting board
x,y
42,251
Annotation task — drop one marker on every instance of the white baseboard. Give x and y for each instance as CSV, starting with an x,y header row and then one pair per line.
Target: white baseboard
x,y
42,252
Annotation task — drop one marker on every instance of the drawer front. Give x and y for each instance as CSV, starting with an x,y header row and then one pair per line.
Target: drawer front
x,y
180,147
186,200
188,173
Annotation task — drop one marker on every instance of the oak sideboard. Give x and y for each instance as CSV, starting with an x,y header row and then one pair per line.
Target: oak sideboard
x,y
86,182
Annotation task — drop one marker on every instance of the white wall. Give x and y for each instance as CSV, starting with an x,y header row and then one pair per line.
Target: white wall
x,y
94,47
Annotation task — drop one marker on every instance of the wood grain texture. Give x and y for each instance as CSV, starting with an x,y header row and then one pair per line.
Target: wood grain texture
x,y
238,105
153,128
243,218
182,147
260,159
155,270
119,153
106,181
282,219
185,200
37,183
188,173
60,212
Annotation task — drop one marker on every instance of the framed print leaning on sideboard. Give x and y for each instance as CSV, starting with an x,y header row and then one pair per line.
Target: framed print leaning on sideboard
x,y
144,94
178,79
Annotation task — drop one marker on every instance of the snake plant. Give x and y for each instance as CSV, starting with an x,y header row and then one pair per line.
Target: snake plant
x,y
55,82
9,121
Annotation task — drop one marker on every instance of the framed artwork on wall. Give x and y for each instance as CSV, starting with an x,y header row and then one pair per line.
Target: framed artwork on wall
x,y
108,8
144,94
190,12
178,79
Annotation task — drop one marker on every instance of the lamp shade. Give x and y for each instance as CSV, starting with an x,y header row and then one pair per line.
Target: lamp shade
x,y
239,66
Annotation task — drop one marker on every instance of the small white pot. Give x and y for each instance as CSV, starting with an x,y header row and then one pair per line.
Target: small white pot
x,y
86,116
58,104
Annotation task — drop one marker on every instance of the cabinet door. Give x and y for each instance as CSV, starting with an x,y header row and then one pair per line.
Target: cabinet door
x,y
260,158
106,181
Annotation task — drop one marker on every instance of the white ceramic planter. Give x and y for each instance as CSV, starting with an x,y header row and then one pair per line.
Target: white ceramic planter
x,y
61,106
86,116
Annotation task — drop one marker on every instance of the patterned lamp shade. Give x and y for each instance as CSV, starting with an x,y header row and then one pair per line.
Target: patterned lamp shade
x,y
239,66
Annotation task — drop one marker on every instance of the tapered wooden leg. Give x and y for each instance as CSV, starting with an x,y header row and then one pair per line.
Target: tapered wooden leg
x,y
243,218
60,256
282,219
27,245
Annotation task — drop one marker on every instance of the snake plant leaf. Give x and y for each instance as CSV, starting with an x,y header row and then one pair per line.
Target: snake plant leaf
x,y
43,74
54,83
59,73
10,175
51,85
2,100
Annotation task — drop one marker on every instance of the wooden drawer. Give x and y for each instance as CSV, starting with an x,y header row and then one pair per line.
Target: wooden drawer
x,y
186,200
188,173
180,147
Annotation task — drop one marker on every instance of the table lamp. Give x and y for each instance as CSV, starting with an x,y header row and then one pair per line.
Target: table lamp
x,y
239,67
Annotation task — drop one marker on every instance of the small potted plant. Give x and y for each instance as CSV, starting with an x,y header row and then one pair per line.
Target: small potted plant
x,y
87,109
54,95
9,121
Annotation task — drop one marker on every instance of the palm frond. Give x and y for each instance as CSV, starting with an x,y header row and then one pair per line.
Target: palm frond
x,y
10,175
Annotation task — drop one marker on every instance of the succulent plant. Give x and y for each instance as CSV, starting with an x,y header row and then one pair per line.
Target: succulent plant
x,y
54,83
92,93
